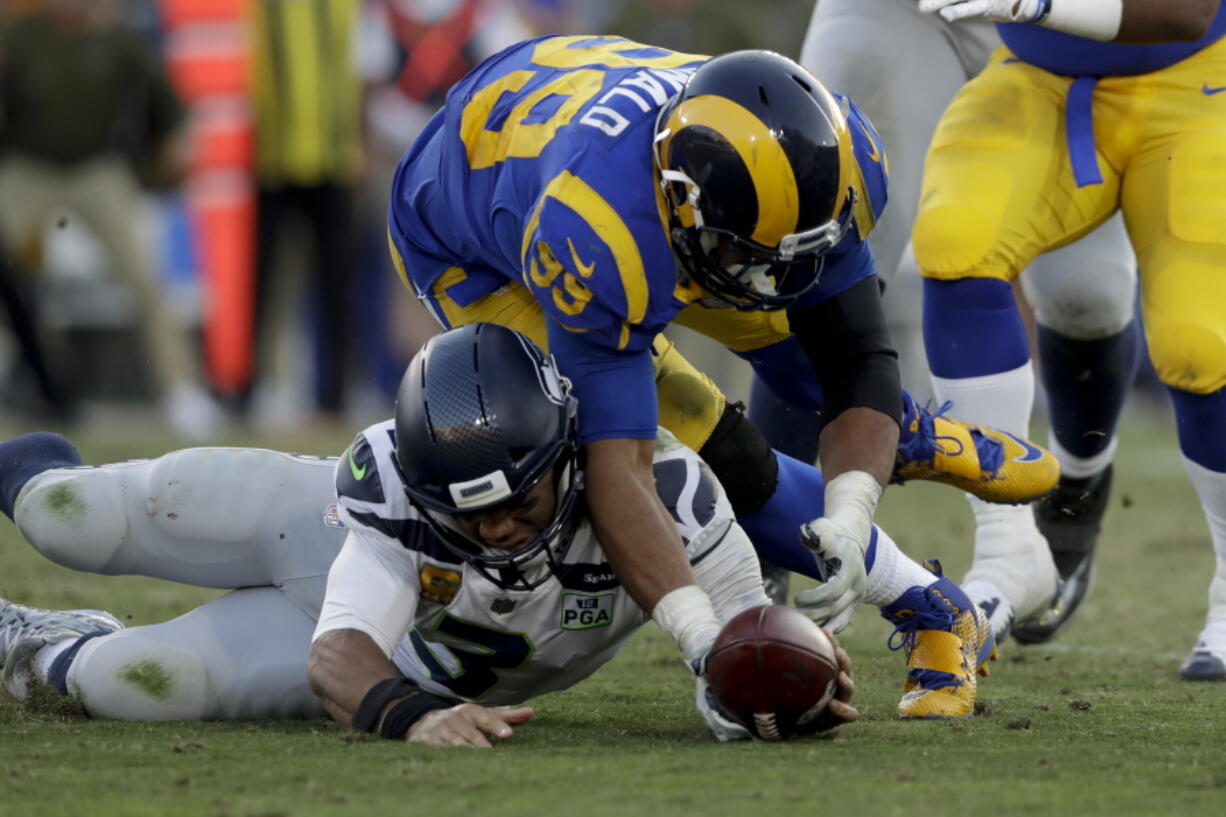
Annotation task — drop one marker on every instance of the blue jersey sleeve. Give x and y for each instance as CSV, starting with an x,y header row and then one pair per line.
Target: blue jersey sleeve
x,y
597,259
616,390
870,176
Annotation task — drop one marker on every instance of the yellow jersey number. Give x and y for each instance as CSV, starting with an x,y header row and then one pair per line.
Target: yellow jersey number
x,y
582,79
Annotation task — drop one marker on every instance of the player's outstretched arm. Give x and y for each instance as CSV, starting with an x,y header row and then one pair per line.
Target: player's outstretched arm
x,y
848,345
363,690
1123,21
642,544
343,666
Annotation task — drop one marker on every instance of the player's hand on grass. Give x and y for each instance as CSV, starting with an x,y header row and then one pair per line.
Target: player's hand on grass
x,y
467,725
840,556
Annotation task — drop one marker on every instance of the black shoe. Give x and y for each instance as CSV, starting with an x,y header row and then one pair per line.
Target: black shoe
x,y
1070,519
775,581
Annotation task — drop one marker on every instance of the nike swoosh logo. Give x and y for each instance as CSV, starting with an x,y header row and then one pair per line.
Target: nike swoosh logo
x,y
585,270
1033,453
1207,91
358,473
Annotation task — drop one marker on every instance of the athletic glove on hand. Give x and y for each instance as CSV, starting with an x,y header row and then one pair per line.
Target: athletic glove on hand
x,y
839,541
1006,11
840,557
720,725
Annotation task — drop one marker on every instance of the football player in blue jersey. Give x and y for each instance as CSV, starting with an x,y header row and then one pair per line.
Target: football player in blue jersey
x,y
589,191
1091,106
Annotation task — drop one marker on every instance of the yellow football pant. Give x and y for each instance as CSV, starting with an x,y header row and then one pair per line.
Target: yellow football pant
x,y
999,189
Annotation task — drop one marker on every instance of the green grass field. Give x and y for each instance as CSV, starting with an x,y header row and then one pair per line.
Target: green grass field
x,y
1097,723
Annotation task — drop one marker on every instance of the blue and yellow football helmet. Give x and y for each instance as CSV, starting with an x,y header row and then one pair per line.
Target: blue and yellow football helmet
x,y
755,159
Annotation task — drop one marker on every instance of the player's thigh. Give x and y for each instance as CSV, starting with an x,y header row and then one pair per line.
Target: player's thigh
x,y
1086,290
1175,206
690,403
241,656
998,186
901,68
213,517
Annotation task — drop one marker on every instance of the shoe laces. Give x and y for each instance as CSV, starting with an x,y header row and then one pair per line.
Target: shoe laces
x,y
907,627
923,443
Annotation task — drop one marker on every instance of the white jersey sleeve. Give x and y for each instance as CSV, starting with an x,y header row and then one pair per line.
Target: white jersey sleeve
x,y
376,582
371,588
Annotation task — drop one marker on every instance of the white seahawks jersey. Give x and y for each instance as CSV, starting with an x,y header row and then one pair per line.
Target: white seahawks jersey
x,y
466,637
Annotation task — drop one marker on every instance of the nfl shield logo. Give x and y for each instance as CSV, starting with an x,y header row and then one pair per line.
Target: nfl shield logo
x,y
502,606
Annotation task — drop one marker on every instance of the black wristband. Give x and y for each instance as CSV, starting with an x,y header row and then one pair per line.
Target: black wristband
x,y
404,714
376,698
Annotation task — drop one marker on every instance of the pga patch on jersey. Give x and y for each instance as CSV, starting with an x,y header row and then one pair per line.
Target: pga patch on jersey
x,y
583,611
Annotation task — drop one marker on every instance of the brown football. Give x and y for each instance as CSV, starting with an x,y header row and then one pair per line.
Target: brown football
x,y
773,671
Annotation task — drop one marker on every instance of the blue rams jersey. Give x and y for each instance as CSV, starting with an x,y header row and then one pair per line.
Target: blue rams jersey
x,y
539,171
1066,54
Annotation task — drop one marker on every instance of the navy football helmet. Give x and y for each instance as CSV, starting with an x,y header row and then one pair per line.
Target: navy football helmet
x,y
482,416
755,159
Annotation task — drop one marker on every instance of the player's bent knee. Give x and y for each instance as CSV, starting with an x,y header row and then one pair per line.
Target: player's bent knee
x,y
1090,302
742,460
128,677
76,518
1189,356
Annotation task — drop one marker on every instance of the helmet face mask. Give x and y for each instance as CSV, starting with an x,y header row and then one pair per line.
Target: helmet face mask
x,y
482,419
531,564
754,157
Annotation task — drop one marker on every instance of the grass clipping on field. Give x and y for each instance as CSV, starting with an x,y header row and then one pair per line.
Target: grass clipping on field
x,y
46,705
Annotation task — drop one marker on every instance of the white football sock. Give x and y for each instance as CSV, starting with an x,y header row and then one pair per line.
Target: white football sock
x,y
1077,467
1002,400
893,573
1012,559
1211,488
44,658
1011,554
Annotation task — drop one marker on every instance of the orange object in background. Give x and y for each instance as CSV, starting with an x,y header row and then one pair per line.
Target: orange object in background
x,y
177,12
206,55
223,212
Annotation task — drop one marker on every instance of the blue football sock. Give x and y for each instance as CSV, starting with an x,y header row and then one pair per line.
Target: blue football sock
x,y
774,528
57,676
24,457
788,428
1200,420
972,328
1087,382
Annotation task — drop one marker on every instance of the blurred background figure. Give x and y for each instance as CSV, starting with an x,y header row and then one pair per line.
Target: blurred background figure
x,y
307,97
88,117
411,52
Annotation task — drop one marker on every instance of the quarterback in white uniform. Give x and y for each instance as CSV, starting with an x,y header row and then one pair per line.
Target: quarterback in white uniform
x,y
497,605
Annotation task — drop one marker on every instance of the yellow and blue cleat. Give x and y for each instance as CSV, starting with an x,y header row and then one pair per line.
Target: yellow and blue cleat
x,y
948,642
993,465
